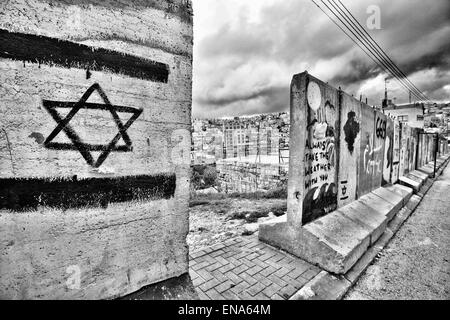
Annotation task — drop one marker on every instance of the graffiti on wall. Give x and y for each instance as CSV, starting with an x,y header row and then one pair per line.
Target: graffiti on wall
x,y
67,54
72,191
388,153
344,190
371,156
63,124
396,153
378,154
412,150
380,128
404,142
351,130
320,157
371,150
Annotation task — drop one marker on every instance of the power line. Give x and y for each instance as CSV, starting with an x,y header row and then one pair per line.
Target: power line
x,y
372,52
384,54
389,65
345,32
380,63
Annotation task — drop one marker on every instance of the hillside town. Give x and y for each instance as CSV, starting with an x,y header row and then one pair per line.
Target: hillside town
x,y
251,153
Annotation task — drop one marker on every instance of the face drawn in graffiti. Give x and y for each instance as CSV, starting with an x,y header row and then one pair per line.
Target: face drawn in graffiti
x,y
314,96
84,148
320,130
330,152
351,130
318,127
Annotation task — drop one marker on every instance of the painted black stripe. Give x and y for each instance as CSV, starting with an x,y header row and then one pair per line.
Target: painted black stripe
x,y
85,146
67,54
86,105
28,194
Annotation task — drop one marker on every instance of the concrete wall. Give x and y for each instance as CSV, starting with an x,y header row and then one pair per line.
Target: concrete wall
x,y
94,146
443,146
342,149
320,156
372,145
426,149
349,152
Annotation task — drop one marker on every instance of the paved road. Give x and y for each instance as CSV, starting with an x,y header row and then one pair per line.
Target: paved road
x,y
416,263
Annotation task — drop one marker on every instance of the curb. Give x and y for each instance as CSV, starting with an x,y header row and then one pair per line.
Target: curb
x,y
328,286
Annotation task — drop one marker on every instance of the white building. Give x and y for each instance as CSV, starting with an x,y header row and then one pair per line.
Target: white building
x,y
410,113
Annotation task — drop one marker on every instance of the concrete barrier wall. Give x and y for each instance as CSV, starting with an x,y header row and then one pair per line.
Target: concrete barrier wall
x,y
349,151
94,146
320,156
372,146
342,149
408,149
428,144
443,146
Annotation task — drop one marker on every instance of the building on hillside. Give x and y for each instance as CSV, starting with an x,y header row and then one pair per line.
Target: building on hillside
x,y
437,118
240,137
410,113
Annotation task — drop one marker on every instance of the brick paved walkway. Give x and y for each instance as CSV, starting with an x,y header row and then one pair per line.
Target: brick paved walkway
x,y
246,269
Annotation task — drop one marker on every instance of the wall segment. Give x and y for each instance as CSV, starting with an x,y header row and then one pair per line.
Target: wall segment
x,y
342,152
94,146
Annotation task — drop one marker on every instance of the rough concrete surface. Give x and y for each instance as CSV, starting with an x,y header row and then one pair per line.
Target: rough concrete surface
x,y
179,288
113,249
416,263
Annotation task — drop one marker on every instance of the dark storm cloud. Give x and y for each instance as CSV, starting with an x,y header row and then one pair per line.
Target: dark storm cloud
x,y
233,98
439,60
234,54
360,71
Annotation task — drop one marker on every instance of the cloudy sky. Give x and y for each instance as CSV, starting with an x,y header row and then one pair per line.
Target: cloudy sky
x,y
246,51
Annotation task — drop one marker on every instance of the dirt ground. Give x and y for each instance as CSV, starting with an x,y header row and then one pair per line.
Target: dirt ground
x,y
213,221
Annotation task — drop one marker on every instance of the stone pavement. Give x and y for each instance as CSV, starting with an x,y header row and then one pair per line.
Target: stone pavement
x,y
244,268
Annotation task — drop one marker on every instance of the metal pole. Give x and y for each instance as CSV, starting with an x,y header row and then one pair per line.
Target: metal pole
x,y
417,151
435,154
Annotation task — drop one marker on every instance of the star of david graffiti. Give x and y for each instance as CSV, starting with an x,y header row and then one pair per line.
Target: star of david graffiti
x,y
77,144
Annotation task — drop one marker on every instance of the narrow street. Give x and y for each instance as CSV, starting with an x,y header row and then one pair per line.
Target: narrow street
x,y
416,263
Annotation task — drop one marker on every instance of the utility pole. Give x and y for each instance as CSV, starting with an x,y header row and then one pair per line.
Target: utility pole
x,y
203,160
385,90
258,146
